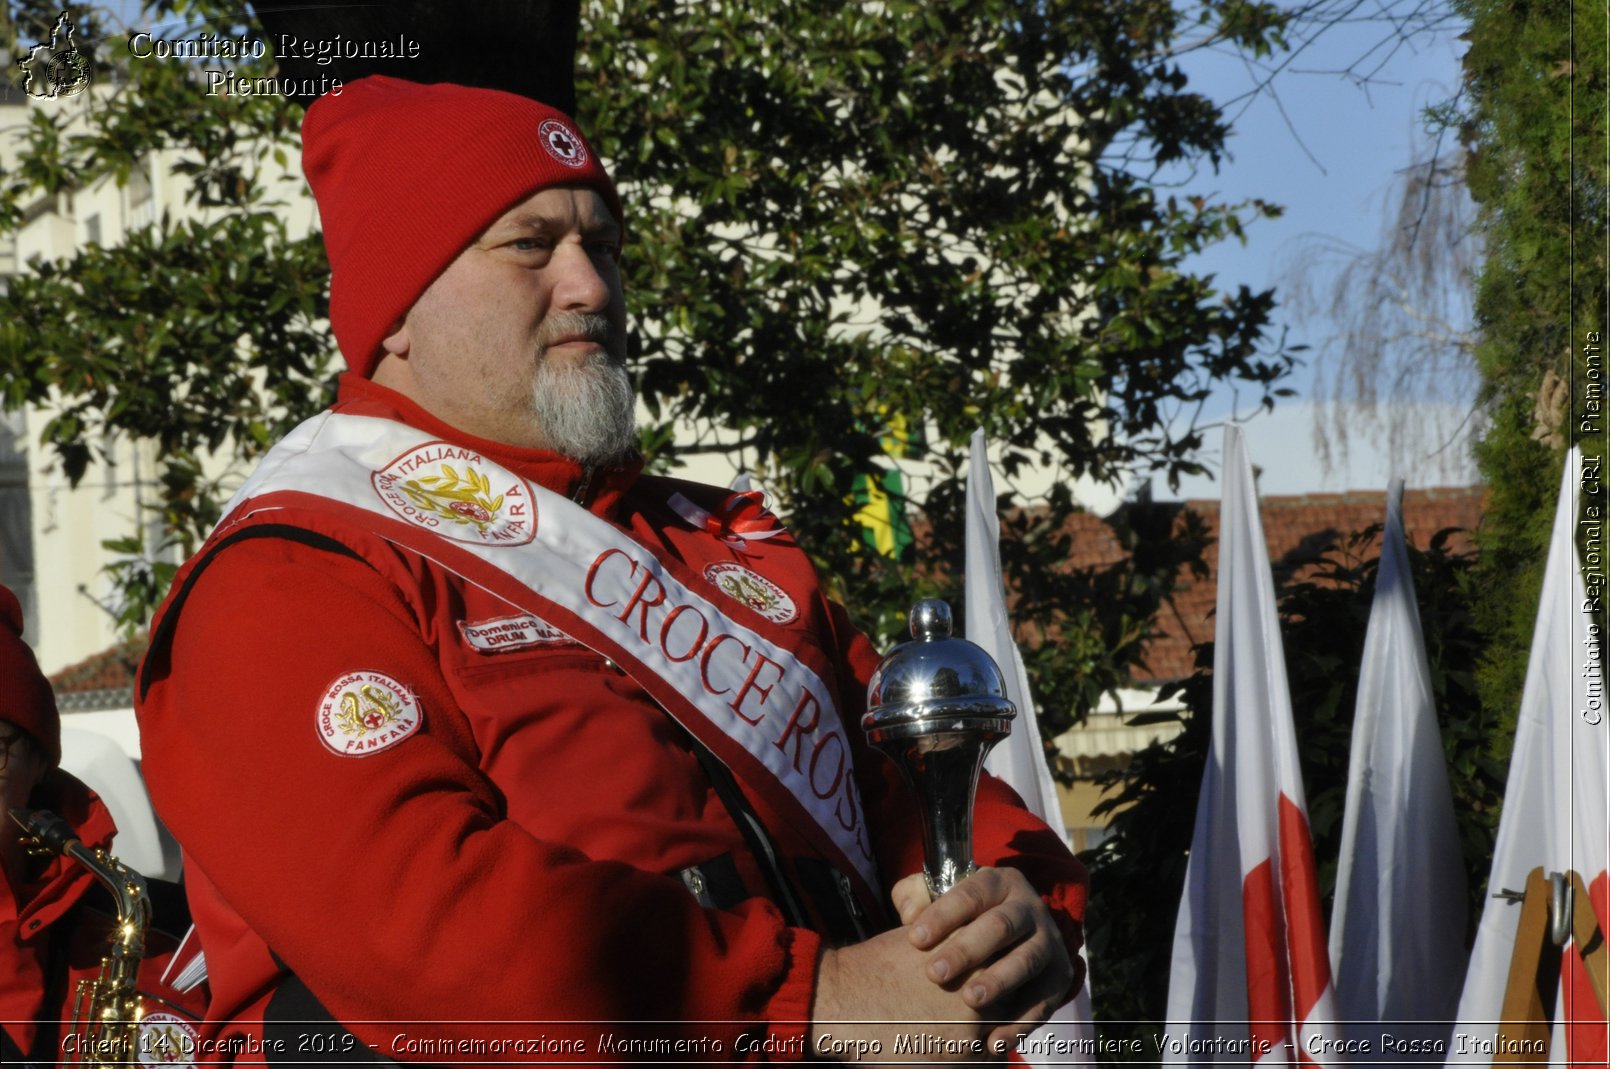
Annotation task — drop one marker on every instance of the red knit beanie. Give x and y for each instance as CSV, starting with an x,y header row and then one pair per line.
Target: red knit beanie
x,y
407,175
26,699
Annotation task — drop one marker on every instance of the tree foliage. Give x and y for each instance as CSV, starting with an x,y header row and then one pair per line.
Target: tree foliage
x,y
941,213
201,334
840,215
1535,125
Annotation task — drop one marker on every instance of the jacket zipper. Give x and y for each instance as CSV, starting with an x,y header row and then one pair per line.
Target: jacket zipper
x,y
791,910
580,496
847,893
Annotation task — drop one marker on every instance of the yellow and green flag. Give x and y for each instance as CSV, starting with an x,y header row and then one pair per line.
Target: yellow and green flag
x,y
880,496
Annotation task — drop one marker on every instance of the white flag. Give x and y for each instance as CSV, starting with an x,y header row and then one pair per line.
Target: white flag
x,y
1556,795
1397,934
1250,980
1069,1037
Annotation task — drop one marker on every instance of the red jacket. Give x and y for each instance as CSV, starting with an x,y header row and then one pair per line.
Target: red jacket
x,y
527,853
55,928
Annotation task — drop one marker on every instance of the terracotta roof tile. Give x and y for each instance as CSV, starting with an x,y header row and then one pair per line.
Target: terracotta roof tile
x,y
1297,530
110,669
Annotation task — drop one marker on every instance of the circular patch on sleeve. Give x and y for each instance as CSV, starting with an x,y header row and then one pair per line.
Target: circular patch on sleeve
x,y
754,590
166,1039
363,713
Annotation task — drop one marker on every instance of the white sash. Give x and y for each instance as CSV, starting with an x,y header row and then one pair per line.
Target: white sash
x,y
747,690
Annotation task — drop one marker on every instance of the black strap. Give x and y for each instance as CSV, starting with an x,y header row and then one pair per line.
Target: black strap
x,y
716,883
298,1028
760,843
829,892
161,635
834,898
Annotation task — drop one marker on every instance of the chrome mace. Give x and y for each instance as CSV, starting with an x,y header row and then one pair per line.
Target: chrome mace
x,y
935,706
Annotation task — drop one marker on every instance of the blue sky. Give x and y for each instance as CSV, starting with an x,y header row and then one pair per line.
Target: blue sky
x,y
1327,148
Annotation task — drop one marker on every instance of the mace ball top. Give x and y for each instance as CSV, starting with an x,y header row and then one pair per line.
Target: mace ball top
x,y
930,620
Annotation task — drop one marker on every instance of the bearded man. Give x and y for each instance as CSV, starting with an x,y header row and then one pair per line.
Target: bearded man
x,y
461,719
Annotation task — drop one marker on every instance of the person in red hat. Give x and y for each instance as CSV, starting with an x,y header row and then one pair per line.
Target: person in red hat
x,y
56,918
484,745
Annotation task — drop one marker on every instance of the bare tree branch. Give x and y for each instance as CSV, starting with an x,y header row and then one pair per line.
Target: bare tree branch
x,y
1406,332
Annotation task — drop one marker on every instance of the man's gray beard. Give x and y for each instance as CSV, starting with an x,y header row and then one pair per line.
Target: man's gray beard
x,y
588,411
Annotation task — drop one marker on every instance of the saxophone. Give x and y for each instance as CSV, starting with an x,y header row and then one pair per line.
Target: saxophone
x,y
106,1010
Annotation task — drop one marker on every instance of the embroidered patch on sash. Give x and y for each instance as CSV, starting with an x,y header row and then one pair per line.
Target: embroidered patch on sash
x,y
459,494
510,633
167,1040
754,590
366,712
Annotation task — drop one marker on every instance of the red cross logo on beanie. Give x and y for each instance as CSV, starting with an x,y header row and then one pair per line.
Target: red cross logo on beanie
x,y
563,144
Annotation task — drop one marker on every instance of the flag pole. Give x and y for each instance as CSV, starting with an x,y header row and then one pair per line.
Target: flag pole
x,y
1534,974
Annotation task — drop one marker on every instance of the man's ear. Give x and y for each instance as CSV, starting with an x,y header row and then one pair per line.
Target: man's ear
x,y
397,342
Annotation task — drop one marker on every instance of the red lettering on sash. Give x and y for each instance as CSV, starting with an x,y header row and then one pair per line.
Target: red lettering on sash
x,y
848,822
838,771
805,698
670,622
709,651
592,575
639,602
750,684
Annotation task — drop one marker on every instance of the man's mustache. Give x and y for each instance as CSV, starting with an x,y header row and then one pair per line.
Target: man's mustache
x,y
577,326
